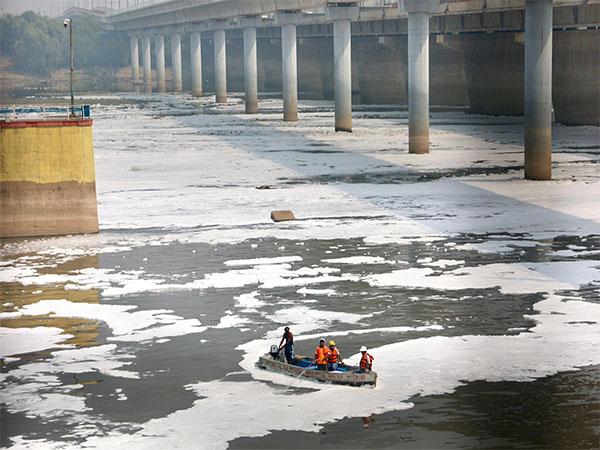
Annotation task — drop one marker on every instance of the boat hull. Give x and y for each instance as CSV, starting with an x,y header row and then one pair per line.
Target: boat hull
x,y
349,378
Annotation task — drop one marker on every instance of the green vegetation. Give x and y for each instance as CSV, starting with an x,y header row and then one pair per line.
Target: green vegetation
x,y
39,45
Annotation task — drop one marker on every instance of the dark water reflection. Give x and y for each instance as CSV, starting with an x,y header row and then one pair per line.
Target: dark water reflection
x,y
555,412
560,411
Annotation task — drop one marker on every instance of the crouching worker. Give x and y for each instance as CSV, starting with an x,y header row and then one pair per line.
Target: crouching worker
x,y
366,362
321,355
333,357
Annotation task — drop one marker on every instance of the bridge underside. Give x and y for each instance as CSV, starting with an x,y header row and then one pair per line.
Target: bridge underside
x,y
181,12
480,71
477,52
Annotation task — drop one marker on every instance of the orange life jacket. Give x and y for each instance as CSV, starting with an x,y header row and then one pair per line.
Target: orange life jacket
x,y
321,355
366,362
332,356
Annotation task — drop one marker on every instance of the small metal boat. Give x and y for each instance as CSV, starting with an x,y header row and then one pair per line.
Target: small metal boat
x,y
348,375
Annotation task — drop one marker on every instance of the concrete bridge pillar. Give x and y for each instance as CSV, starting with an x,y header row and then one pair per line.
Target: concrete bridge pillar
x,y
250,73
538,89
289,62
342,60
135,59
176,62
220,66
418,72
147,59
196,58
159,43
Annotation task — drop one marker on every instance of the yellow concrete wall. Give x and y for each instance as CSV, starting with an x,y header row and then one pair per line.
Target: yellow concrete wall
x,y
47,178
47,154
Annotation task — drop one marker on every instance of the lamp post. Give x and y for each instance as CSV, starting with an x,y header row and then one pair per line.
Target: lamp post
x,y
70,23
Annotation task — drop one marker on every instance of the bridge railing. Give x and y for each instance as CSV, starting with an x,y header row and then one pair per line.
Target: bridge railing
x,y
44,112
118,7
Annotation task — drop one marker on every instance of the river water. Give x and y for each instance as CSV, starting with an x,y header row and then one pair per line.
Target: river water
x,y
476,291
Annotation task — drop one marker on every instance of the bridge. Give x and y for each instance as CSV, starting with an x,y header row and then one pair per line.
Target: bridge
x,y
483,44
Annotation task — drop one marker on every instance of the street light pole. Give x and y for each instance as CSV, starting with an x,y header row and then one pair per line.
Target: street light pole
x,y
70,23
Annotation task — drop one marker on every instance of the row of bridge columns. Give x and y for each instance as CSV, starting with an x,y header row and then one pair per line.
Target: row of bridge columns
x,y
538,71
159,42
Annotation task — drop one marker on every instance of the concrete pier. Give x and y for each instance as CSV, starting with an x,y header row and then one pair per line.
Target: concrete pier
x,y
159,43
176,62
418,72
48,179
289,63
342,60
290,72
135,59
220,66
538,89
196,60
147,59
250,73
418,82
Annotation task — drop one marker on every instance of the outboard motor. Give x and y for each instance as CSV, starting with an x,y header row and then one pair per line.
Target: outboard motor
x,y
274,352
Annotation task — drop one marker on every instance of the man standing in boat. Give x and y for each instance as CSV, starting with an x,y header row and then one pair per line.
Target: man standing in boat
x,y
288,337
333,357
321,355
366,361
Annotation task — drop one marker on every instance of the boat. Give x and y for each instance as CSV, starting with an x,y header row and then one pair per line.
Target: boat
x,y
302,367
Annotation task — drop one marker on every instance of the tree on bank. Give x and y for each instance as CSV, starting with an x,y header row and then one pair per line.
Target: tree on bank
x,y
39,44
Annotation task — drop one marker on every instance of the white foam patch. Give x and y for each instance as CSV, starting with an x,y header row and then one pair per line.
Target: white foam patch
x,y
304,319
36,388
435,327
249,302
231,321
357,260
381,239
442,263
258,261
576,254
307,291
509,278
17,341
126,325
115,284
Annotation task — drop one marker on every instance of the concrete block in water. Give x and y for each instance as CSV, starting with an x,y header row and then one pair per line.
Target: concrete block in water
x,y
282,216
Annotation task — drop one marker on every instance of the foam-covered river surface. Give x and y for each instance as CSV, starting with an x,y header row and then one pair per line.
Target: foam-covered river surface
x,y
477,294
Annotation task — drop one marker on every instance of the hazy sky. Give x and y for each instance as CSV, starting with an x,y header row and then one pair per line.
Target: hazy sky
x,y
19,6
54,7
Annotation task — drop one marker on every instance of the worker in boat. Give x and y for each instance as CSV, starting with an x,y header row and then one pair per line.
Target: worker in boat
x,y
288,337
333,357
321,354
366,361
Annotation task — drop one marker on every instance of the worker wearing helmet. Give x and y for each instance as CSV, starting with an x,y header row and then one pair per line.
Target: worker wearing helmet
x,y
321,354
333,357
366,361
